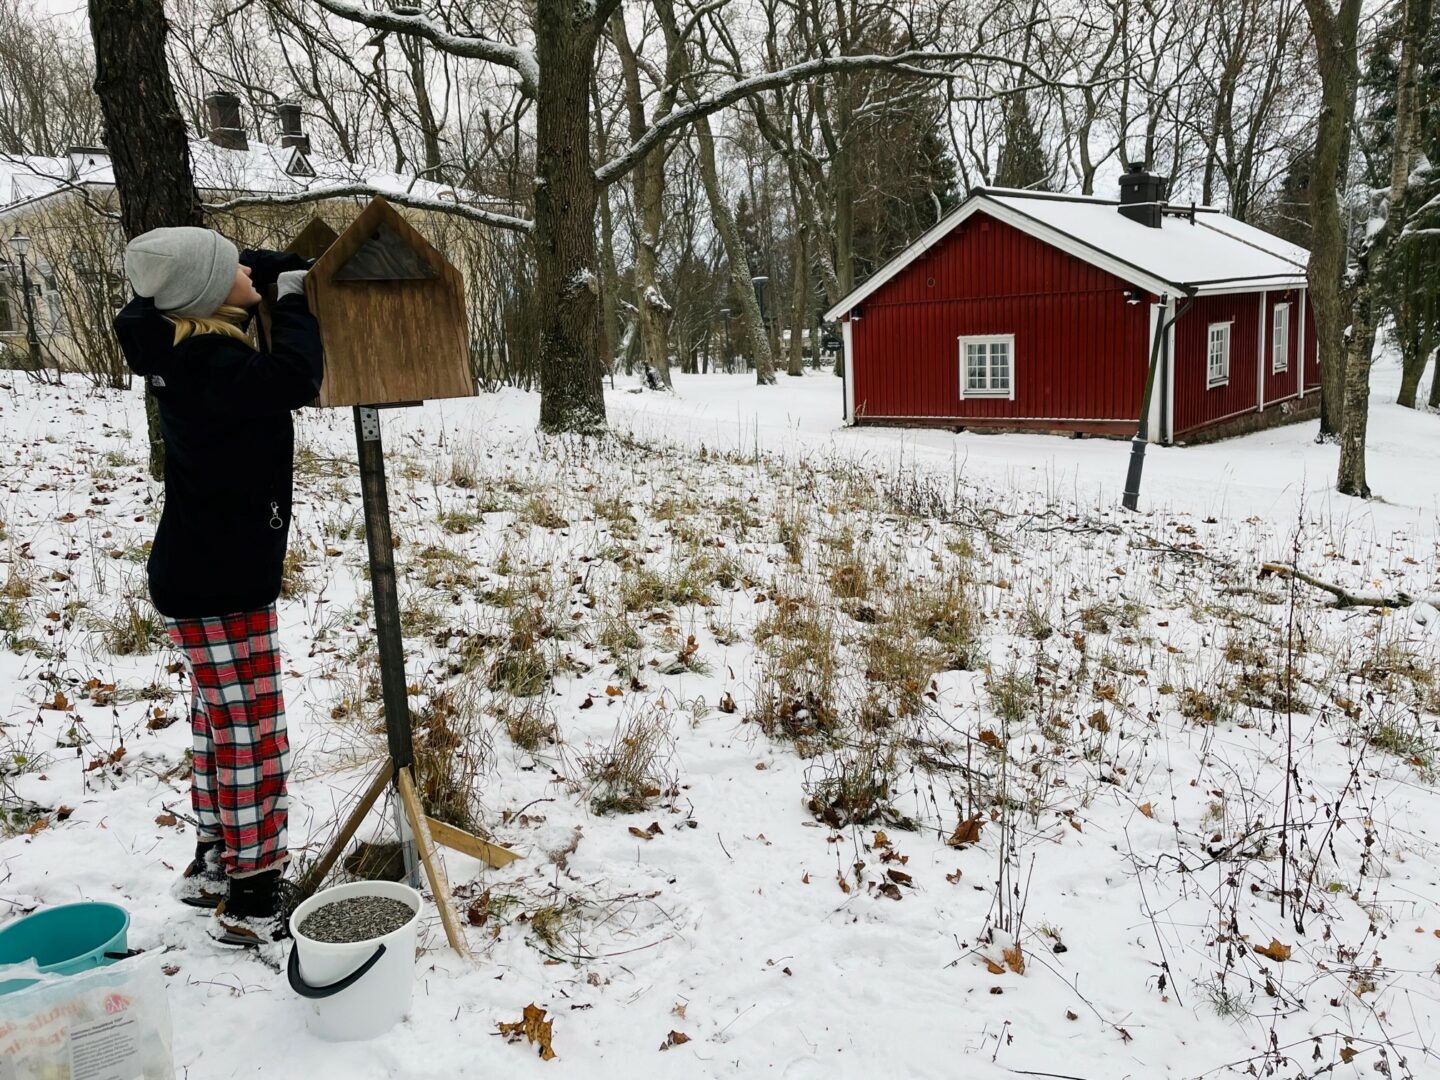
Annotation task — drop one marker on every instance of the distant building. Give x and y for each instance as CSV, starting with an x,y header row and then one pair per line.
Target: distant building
x,y
1028,311
67,207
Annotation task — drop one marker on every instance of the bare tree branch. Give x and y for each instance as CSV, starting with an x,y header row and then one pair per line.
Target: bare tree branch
x,y
473,46
415,202
910,61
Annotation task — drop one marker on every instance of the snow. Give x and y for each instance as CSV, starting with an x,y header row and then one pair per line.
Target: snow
x,y
1215,248
260,169
735,932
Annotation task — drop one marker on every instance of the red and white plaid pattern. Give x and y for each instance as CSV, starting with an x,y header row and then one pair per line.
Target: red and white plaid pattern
x,y
242,752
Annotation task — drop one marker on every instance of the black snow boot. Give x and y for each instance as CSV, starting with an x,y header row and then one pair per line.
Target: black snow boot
x,y
256,911
202,883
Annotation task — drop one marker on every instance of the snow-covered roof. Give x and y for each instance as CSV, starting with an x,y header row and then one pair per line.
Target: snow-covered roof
x,y
260,169
1203,251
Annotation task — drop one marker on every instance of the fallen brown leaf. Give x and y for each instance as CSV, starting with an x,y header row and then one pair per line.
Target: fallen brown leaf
x,y
967,832
1275,951
1147,810
1014,959
534,1027
675,1038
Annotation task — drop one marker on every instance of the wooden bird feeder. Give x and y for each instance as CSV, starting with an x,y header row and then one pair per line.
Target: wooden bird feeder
x,y
392,315
392,320
311,242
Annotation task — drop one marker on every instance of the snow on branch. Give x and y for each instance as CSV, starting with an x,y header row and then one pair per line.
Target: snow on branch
x,y
414,202
1344,598
911,62
471,46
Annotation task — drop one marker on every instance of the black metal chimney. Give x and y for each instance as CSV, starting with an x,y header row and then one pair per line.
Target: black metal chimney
x,y
291,131
223,110
1142,194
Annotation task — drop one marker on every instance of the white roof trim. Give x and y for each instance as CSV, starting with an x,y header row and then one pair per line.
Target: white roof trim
x,y
981,201
1246,285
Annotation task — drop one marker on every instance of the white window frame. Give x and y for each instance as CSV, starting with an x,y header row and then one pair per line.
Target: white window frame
x,y
1005,393
1280,339
1217,375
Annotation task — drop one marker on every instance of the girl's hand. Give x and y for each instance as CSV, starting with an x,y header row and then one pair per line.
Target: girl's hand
x,y
290,283
267,266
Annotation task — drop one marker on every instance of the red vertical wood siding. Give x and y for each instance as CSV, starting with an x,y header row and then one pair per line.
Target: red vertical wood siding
x,y
1283,384
1312,349
1080,349
1197,404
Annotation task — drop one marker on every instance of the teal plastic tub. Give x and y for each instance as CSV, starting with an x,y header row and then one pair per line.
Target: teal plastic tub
x,y
65,940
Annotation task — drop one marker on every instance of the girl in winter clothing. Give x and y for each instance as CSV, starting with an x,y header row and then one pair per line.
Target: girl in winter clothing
x,y
215,564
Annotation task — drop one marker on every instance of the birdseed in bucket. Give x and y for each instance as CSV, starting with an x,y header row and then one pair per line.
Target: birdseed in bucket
x,y
356,918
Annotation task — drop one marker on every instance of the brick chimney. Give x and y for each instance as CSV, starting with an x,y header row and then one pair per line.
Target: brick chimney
x,y
292,132
1142,194
222,108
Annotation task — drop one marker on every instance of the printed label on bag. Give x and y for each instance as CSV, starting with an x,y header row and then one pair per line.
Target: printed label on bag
x,y
106,1050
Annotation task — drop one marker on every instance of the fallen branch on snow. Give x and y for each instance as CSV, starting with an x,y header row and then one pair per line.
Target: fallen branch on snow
x,y
1344,599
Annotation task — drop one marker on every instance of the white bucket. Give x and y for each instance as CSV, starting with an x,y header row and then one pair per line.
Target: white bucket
x,y
356,990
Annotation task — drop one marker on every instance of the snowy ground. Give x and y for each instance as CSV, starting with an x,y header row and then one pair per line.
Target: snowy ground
x,y
751,627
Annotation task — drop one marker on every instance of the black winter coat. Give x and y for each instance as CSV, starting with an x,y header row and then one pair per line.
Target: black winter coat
x,y
229,448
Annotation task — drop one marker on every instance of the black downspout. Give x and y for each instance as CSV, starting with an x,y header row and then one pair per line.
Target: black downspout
x,y
1131,500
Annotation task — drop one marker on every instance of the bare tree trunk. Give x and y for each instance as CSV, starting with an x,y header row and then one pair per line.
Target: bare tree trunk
x,y
752,328
572,396
799,289
1413,353
1352,480
609,277
1335,43
609,284
146,135
652,311
414,52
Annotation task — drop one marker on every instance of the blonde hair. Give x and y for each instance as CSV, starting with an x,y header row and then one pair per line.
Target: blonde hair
x,y
227,320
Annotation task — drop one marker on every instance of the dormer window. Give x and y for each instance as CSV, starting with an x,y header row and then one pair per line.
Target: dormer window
x,y
299,164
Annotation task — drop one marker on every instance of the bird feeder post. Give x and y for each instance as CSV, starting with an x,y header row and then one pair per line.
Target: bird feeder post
x,y
391,310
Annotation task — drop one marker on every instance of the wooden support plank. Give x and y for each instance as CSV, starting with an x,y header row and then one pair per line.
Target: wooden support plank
x,y
492,855
430,859
316,874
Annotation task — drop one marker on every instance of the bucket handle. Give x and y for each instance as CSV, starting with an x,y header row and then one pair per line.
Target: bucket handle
x,y
305,990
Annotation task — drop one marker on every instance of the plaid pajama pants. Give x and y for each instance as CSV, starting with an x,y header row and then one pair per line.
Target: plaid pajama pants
x,y
242,751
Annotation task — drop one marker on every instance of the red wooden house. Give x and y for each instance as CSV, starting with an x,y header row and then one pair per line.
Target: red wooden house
x,y
1030,311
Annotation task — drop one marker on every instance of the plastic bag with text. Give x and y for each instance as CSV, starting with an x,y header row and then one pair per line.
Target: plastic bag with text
x,y
111,1023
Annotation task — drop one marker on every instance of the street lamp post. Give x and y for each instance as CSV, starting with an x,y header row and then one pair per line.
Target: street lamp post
x,y
20,244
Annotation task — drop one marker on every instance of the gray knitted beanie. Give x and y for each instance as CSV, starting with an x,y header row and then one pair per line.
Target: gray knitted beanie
x,y
186,271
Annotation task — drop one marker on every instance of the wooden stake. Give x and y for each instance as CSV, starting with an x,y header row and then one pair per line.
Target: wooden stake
x,y
430,859
316,874
492,855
